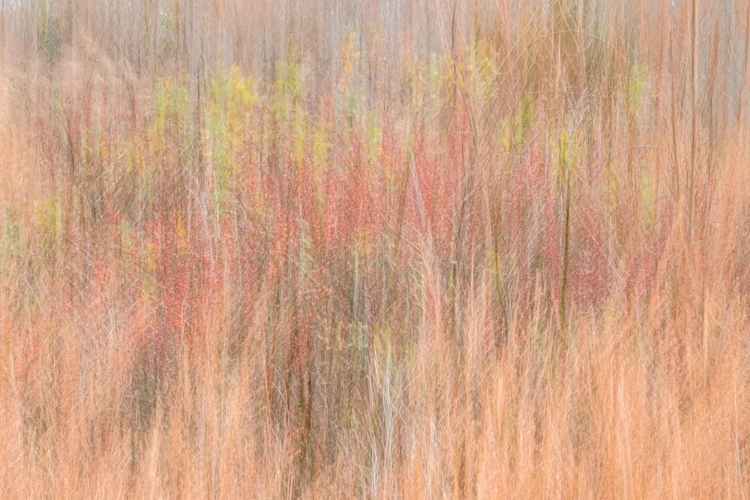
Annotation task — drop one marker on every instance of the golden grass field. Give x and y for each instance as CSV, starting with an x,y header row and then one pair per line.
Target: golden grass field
x,y
389,249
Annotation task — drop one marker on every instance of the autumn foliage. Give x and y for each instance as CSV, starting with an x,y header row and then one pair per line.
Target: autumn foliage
x,y
389,249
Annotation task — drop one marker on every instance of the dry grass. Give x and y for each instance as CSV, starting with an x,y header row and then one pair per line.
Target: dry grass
x,y
336,249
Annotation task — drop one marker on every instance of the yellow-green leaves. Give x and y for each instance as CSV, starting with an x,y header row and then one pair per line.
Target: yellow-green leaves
x,y
49,223
481,69
11,232
636,86
288,88
172,106
232,101
513,130
374,136
566,150
350,56
241,90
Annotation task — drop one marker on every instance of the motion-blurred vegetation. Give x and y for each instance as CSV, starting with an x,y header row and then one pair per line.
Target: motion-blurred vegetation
x,y
394,249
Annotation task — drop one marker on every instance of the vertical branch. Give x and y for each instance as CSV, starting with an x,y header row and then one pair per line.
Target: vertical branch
x,y
743,70
693,123
566,243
